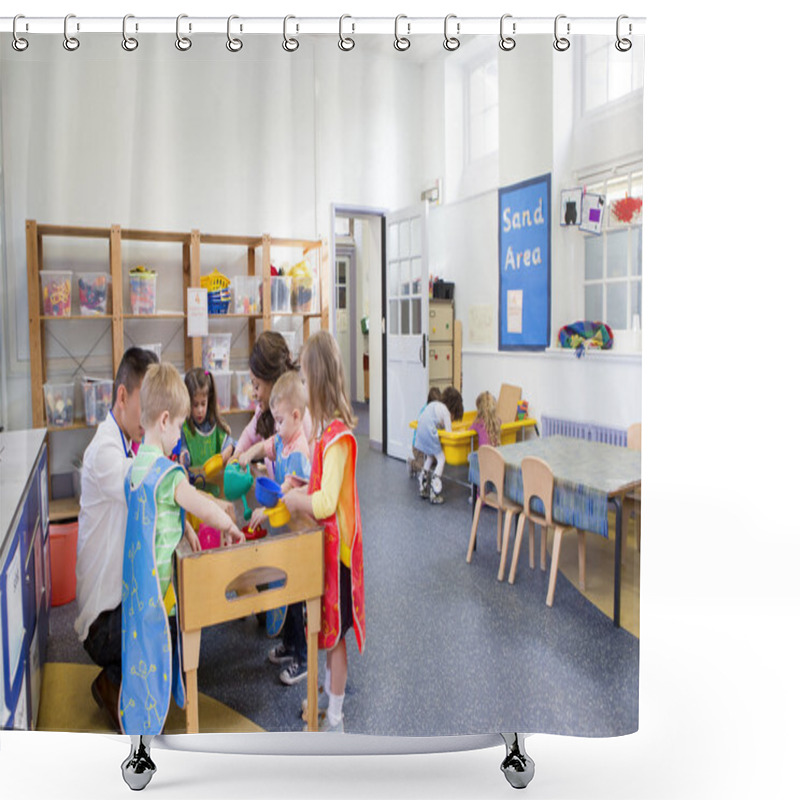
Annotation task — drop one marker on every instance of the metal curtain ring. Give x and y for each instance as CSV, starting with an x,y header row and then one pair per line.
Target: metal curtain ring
x,y
129,43
507,42
560,43
183,43
290,44
346,43
623,45
401,43
71,43
17,42
233,44
451,42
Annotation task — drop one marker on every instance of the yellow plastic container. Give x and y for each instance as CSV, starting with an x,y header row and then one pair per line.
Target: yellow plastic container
x,y
460,442
279,515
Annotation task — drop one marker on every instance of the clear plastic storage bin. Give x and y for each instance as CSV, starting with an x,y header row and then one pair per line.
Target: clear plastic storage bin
x,y
59,401
56,292
93,292
143,290
97,399
292,341
281,294
243,389
222,383
217,351
247,294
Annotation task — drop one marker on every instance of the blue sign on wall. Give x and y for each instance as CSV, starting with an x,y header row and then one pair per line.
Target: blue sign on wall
x,y
524,235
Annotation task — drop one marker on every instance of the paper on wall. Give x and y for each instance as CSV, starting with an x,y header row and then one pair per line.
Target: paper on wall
x,y
514,311
197,312
481,324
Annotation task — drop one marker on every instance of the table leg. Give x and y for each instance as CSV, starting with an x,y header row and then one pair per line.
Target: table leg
x,y
313,611
191,660
617,556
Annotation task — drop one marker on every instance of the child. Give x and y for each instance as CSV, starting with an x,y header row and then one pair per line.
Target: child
x,y
487,423
204,433
436,416
157,490
332,498
288,447
417,459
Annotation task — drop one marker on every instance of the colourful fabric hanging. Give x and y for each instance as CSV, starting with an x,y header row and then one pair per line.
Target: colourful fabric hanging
x,y
582,334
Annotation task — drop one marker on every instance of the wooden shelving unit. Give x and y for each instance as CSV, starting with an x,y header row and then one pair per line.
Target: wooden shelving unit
x,y
258,263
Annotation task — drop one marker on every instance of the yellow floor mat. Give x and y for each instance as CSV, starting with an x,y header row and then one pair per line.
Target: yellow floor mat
x,y
66,704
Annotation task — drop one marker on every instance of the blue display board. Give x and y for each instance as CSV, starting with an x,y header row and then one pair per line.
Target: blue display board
x,y
524,259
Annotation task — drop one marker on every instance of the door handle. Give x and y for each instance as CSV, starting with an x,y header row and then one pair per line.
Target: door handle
x,y
423,352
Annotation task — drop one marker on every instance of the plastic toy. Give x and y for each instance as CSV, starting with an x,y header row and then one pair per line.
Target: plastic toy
x,y
59,400
237,481
209,537
302,284
268,492
213,466
219,293
97,399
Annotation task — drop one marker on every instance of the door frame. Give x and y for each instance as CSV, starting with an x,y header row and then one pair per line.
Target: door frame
x,y
372,213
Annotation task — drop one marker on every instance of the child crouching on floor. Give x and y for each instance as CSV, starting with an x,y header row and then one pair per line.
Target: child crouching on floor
x,y
414,464
158,491
436,416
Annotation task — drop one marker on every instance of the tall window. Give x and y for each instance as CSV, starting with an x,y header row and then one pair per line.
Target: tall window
x,y
482,106
609,75
613,259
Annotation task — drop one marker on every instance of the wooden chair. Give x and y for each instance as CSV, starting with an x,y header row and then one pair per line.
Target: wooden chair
x,y
537,481
635,498
492,470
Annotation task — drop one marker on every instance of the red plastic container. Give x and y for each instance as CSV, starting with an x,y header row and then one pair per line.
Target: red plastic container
x,y
63,555
209,537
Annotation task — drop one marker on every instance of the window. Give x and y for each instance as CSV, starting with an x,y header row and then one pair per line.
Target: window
x,y
482,107
342,268
609,75
613,259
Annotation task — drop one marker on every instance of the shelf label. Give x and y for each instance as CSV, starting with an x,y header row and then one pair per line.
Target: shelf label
x,y
197,312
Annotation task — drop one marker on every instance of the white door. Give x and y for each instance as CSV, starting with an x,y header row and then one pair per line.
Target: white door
x,y
406,324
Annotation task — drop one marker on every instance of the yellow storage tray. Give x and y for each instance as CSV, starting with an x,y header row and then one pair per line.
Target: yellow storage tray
x,y
460,442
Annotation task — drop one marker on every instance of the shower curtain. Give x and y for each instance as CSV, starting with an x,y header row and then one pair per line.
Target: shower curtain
x,y
513,174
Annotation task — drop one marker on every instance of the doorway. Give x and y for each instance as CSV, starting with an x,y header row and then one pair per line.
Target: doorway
x,y
356,301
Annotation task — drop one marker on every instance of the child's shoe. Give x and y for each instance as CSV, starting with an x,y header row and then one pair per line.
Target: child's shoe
x,y
411,467
324,724
280,655
293,673
435,492
424,484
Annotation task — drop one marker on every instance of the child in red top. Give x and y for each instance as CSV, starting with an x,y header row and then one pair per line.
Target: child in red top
x,y
332,498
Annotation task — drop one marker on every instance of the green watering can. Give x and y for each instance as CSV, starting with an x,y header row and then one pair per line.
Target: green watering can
x,y
237,481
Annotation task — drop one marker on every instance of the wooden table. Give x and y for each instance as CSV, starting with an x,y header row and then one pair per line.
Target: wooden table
x,y
588,477
205,578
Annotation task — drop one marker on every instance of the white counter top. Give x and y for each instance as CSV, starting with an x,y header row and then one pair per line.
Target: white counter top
x,y
18,453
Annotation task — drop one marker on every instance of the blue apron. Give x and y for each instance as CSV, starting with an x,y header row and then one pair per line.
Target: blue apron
x,y
150,668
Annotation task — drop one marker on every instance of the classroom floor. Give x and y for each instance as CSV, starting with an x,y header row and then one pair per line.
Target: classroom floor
x,y
449,649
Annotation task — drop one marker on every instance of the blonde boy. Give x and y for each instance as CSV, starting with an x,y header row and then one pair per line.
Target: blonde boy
x,y
158,492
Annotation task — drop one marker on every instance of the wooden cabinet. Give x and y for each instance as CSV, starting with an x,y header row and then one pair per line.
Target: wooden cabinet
x,y
258,251
444,349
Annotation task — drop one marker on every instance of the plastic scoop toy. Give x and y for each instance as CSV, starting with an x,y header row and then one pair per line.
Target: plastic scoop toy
x,y
237,481
268,492
213,466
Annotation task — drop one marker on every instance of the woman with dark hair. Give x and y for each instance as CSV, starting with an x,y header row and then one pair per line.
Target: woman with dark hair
x,y
269,360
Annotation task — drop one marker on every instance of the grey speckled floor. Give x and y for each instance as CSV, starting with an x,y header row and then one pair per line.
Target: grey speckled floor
x,y
449,649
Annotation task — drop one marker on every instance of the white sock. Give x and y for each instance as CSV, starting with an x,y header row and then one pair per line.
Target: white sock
x,y
335,708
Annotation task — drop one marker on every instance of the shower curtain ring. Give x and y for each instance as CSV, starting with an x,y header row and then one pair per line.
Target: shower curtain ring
x,y
129,43
401,43
233,44
507,42
451,42
70,42
623,45
560,43
346,43
290,44
183,43
17,42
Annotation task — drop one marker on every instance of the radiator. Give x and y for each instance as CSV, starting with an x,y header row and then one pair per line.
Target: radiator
x,y
552,426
